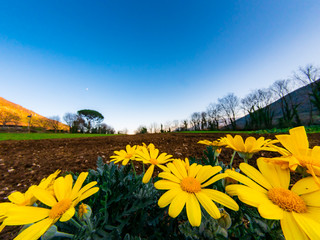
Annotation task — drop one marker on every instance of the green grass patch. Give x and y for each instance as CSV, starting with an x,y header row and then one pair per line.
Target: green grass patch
x,y
38,136
309,129
235,132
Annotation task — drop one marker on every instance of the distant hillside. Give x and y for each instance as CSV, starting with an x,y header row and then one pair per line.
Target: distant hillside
x,y
36,120
299,96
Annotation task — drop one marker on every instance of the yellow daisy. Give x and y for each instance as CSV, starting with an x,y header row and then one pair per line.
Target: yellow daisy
x,y
124,155
247,148
186,187
217,144
62,206
297,153
27,198
297,209
151,156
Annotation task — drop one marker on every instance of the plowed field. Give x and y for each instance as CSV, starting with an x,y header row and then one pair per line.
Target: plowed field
x,y
23,163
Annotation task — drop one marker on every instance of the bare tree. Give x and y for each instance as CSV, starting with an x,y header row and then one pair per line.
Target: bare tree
x,y
142,129
195,120
184,125
281,89
105,129
257,105
230,107
167,126
154,127
214,115
70,119
310,75
204,121
54,123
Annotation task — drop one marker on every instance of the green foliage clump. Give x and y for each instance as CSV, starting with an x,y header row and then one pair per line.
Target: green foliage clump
x,y
126,208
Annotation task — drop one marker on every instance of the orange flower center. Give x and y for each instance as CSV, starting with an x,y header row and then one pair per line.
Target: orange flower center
x,y
287,200
128,155
190,185
153,161
60,208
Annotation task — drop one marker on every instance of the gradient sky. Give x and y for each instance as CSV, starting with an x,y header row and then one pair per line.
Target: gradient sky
x,y
139,62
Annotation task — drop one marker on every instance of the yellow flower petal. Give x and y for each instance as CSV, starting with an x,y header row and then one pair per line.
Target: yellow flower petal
x,y
68,181
78,184
221,198
59,188
214,179
308,225
313,211
88,193
147,176
206,172
86,188
239,144
4,207
300,136
274,174
17,198
193,210
167,197
290,228
44,196
250,144
194,169
163,168
245,180
247,195
169,176
36,230
312,199
67,215
178,203
25,215
255,175
208,205
154,153
165,185
269,210
181,168
174,170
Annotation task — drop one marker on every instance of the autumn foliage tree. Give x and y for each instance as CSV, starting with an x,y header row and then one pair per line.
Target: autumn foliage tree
x,y
7,118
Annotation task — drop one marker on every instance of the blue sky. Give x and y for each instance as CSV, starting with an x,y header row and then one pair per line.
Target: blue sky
x,y
139,62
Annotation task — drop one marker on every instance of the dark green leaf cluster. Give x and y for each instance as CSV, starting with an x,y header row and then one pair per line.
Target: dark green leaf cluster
x,y
126,208
247,224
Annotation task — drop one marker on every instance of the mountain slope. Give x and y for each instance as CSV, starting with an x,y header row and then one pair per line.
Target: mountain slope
x,y
36,120
298,97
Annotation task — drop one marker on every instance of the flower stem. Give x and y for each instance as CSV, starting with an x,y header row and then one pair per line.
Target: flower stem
x,y
231,161
75,223
62,234
134,170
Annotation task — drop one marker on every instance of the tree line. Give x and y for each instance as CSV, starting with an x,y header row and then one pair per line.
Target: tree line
x,y
256,106
87,121
84,121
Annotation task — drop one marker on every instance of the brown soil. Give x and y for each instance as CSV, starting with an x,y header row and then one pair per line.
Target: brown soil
x,y
23,163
